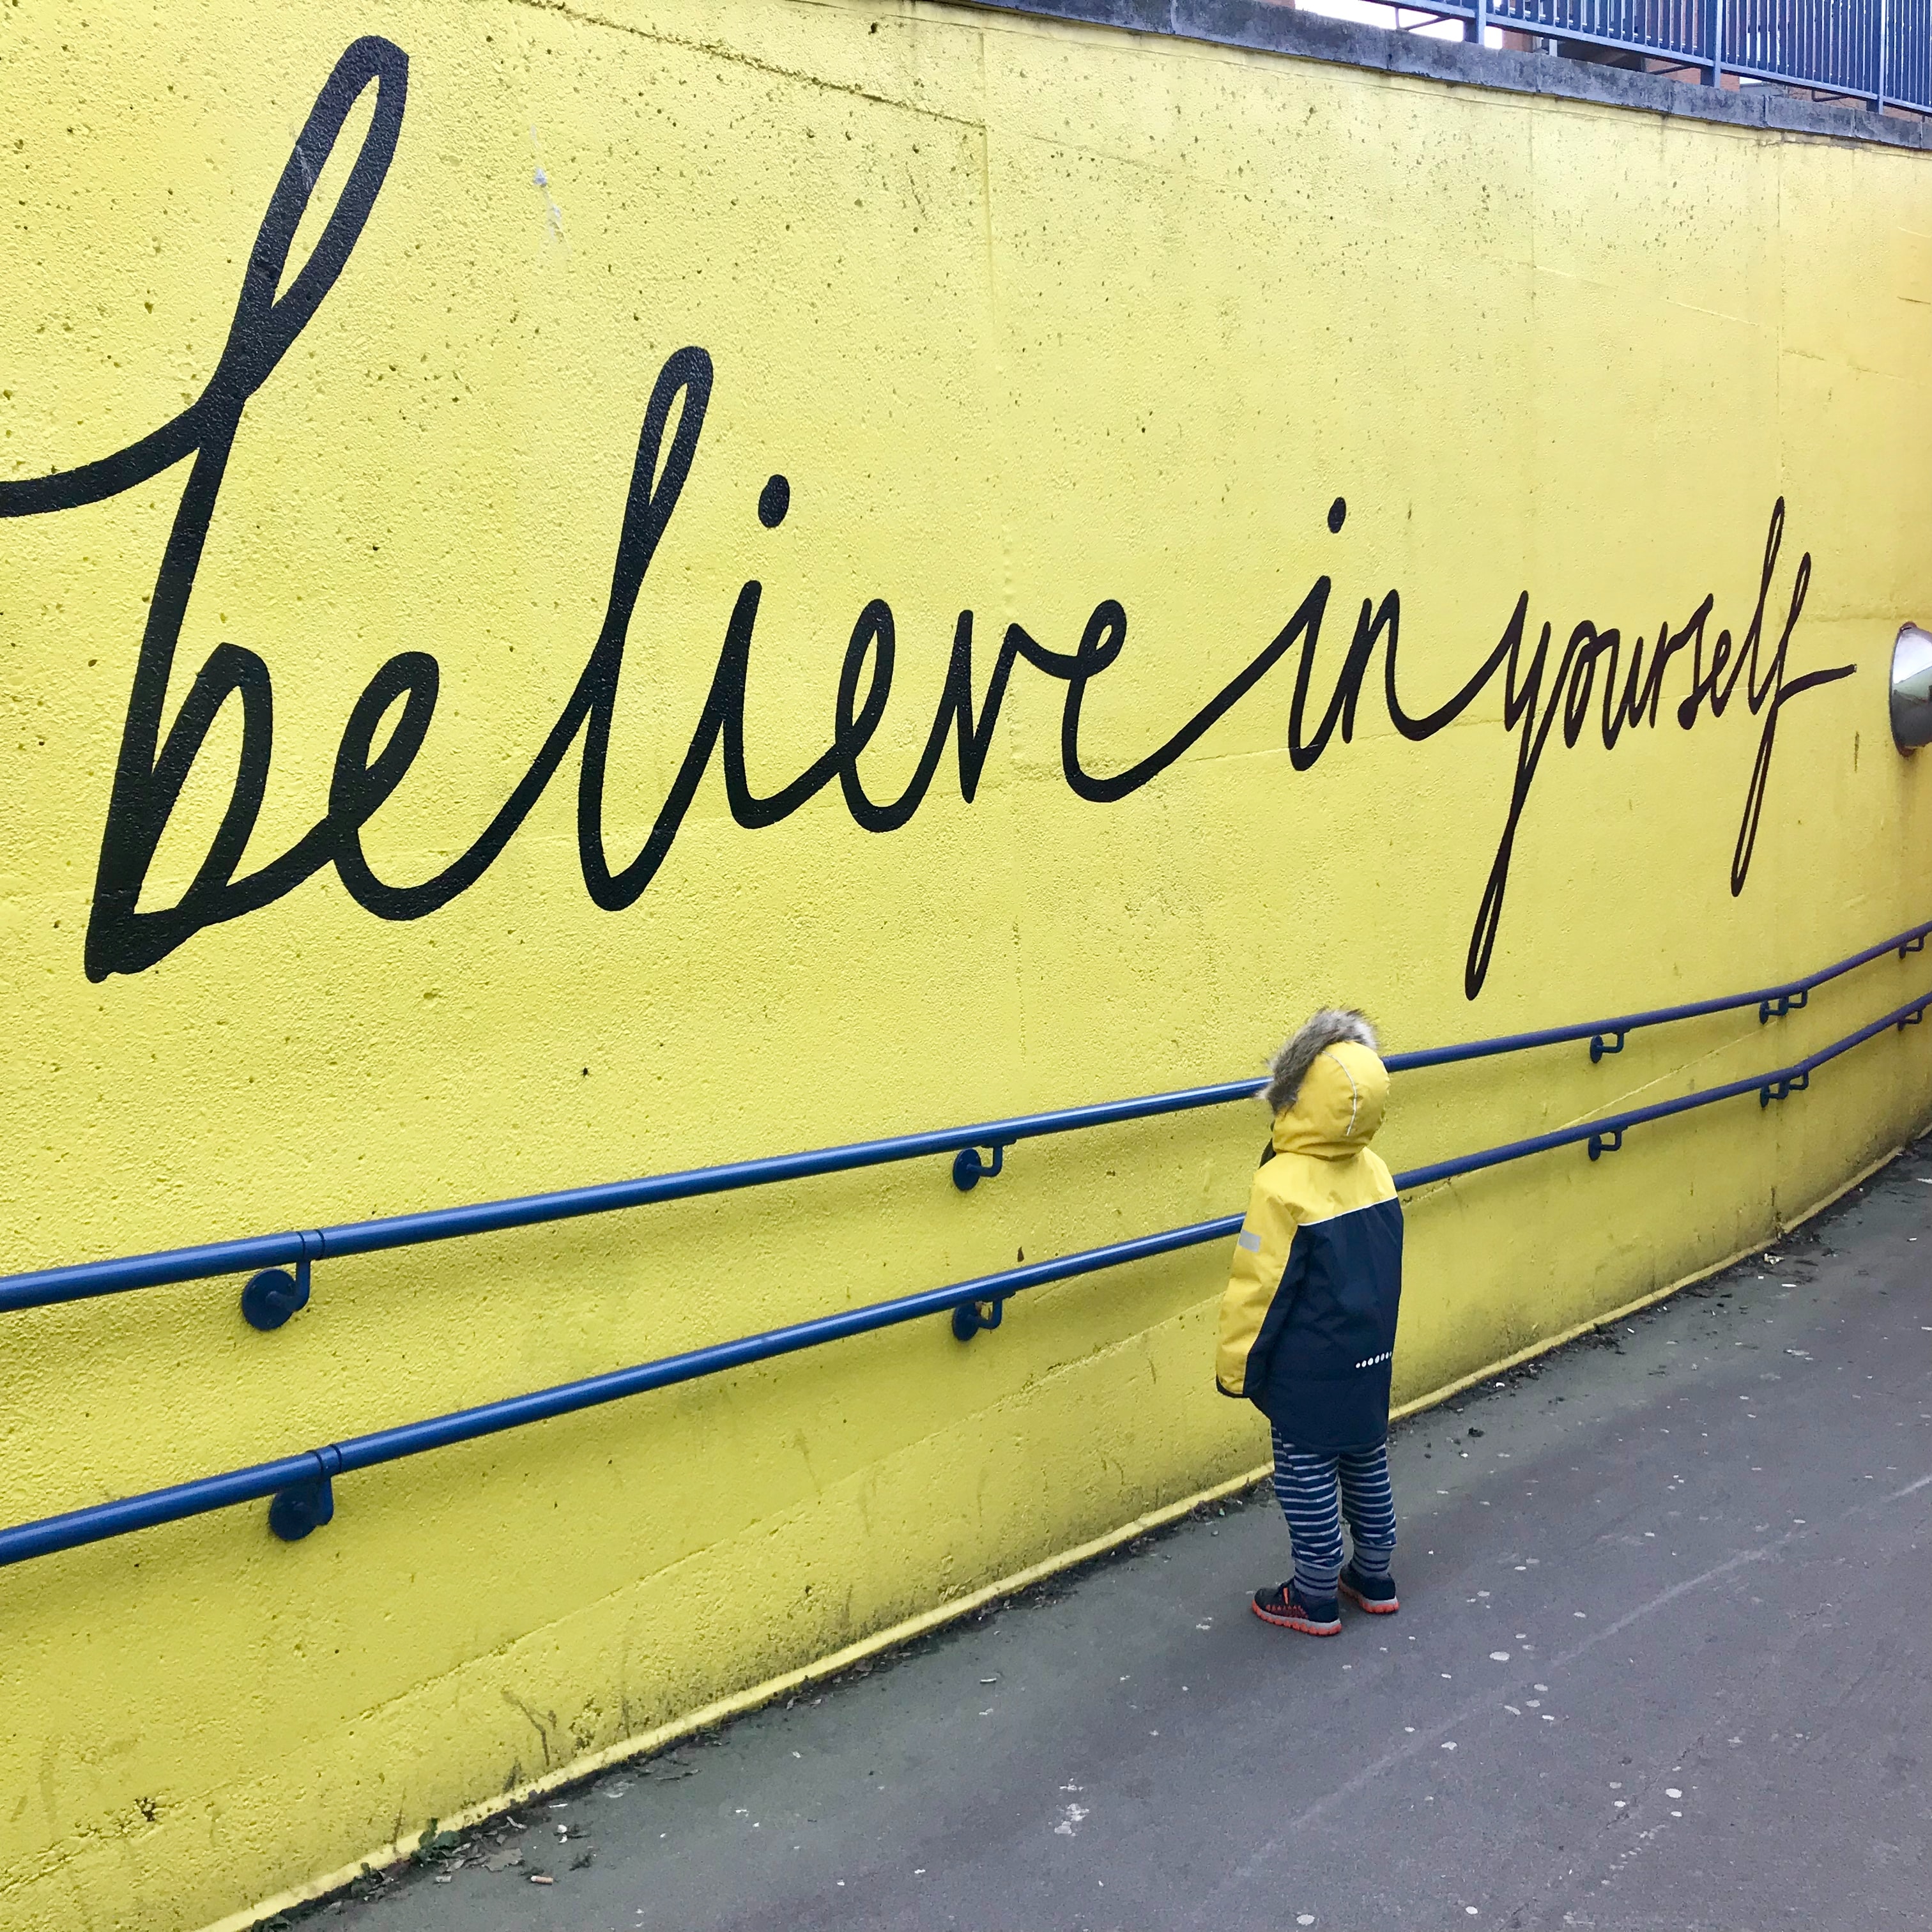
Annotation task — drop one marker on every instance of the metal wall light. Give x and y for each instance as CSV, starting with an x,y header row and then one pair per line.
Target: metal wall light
x,y
1912,689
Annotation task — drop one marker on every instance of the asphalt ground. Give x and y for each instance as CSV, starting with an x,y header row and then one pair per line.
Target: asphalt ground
x,y
1662,1662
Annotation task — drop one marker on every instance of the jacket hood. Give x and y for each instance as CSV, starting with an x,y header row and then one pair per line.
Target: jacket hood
x,y
1344,1095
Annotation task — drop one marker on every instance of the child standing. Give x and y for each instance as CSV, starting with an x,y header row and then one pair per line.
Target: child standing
x,y
1307,1331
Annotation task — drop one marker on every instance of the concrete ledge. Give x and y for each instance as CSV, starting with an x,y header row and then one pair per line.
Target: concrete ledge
x,y
1268,29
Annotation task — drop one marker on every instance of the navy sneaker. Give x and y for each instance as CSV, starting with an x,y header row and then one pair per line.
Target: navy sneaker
x,y
1283,1606
1375,1595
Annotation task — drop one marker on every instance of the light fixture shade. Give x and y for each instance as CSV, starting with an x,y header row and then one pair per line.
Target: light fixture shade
x,y
1912,689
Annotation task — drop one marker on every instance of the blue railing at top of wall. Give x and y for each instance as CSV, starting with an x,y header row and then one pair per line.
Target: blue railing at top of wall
x,y
1876,52
300,1486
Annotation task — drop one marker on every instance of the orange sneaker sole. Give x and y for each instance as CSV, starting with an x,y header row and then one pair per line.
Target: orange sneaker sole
x,y
1386,1608
1303,1624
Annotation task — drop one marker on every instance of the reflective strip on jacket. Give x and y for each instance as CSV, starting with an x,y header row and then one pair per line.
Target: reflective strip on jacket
x,y
1307,1329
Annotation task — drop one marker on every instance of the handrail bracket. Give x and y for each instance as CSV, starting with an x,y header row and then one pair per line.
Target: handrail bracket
x,y
1778,1090
270,1297
1599,1046
970,1317
1785,1003
304,1507
970,1167
1602,1144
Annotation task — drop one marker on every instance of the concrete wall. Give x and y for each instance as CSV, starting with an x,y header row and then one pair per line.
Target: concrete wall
x,y
1072,328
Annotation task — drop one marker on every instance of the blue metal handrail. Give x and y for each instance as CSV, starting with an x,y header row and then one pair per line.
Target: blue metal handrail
x,y
44,1287
302,1486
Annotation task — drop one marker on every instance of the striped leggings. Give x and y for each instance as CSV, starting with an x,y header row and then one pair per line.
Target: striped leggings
x,y
1315,1491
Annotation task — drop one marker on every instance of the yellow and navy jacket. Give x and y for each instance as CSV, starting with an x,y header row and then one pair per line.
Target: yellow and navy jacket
x,y
1307,1328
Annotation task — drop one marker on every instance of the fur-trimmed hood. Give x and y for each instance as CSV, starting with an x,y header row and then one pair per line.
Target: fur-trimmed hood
x,y
1330,1090
1325,1029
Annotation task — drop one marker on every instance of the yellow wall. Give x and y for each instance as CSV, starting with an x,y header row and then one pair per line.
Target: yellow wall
x,y
1031,317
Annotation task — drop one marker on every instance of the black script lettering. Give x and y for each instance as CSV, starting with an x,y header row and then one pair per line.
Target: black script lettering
x,y
1571,689
361,784
1101,644
974,736
153,767
146,786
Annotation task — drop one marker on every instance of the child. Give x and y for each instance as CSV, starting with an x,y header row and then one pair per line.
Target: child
x,y
1308,1321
